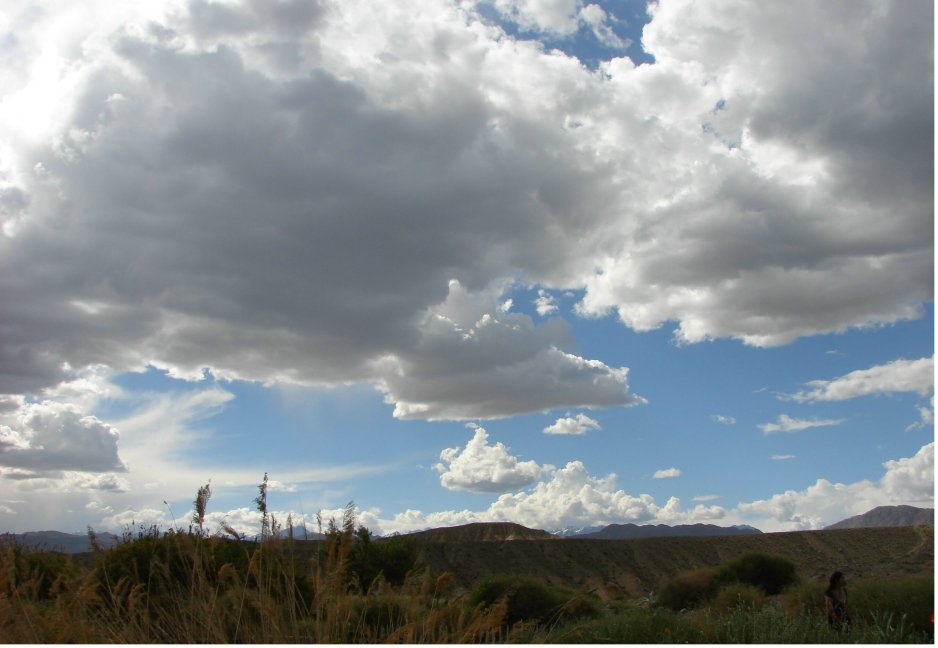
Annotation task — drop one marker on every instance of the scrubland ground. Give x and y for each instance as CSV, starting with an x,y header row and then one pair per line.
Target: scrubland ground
x,y
181,587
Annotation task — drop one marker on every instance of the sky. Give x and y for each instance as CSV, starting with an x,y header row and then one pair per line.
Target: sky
x,y
553,262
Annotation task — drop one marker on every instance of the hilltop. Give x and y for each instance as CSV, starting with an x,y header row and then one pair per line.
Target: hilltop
x,y
887,516
482,532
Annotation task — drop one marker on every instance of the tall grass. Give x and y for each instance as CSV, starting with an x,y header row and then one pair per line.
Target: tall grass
x,y
189,587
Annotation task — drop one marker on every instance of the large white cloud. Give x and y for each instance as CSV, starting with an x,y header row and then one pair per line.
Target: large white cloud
x,y
285,193
909,480
778,222
485,468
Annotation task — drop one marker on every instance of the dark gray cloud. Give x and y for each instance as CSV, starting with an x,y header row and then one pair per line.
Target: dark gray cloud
x,y
287,192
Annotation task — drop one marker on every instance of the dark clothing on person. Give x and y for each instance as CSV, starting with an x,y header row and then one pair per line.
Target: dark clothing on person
x,y
837,608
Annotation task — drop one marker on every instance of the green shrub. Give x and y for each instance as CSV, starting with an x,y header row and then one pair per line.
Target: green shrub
x,y
805,599
738,596
529,599
391,558
689,589
911,597
771,574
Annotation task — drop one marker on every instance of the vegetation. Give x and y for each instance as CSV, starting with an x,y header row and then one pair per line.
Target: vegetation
x,y
187,586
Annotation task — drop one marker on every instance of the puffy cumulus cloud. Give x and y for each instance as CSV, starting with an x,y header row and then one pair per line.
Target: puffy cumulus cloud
x,y
911,478
572,497
916,376
580,424
54,436
667,473
568,497
484,468
475,361
317,271
781,220
908,480
789,424
284,193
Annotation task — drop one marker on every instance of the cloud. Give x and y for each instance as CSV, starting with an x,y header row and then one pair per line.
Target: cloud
x,y
909,480
705,498
782,457
761,246
52,436
789,424
581,424
298,218
725,420
599,23
915,376
550,16
474,361
484,468
545,303
667,473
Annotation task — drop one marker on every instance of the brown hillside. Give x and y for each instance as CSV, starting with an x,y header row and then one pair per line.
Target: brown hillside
x,y
482,532
640,566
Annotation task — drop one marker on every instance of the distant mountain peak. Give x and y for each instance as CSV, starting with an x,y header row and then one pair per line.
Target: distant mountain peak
x,y
633,531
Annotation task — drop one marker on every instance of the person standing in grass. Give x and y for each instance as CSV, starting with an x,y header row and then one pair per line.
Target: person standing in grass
x,y
835,599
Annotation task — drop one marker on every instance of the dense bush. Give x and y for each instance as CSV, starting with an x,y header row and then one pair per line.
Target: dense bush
x,y
689,589
390,558
529,599
911,598
738,596
771,574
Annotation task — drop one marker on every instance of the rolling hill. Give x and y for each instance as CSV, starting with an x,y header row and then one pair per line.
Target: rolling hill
x,y
643,565
482,532
887,516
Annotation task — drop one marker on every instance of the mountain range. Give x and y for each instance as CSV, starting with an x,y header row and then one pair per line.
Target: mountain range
x,y
883,516
632,531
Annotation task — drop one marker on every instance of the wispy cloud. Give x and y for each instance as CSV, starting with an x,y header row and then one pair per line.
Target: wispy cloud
x,y
789,424
897,376
667,473
725,420
782,457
